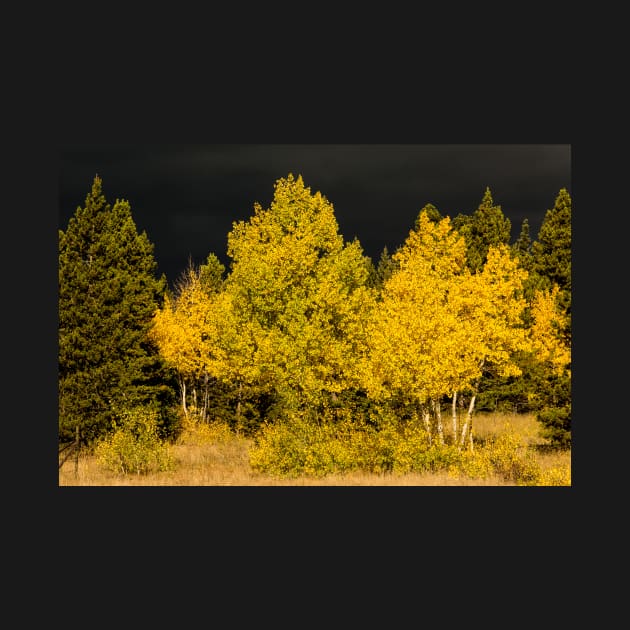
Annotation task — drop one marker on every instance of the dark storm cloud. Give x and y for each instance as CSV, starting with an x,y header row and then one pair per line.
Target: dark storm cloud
x,y
187,196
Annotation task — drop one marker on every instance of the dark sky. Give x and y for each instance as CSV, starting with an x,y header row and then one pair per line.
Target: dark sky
x,y
186,197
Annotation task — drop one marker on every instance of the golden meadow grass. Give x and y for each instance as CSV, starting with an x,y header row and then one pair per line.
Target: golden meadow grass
x,y
210,455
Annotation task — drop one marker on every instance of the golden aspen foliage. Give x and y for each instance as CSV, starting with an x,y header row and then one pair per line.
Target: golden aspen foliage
x,y
199,332
438,324
179,328
497,305
301,291
548,323
414,334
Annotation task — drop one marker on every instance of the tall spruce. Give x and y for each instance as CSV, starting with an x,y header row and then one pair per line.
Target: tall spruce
x,y
522,247
551,252
108,292
551,268
383,271
432,213
485,227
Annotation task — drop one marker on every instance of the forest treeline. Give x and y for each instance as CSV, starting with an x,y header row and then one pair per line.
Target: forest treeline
x,y
304,327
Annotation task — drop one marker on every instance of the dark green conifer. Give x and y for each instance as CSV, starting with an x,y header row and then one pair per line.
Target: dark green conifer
x,y
432,212
383,270
551,252
108,292
551,264
485,227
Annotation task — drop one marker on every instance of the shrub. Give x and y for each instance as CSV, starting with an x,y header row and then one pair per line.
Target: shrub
x,y
414,453
557,476
134,445
305,444
296,445
196,432
556,425
504,455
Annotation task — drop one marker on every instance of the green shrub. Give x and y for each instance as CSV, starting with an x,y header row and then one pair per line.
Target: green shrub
x,y
556,425
317,446
134,446
298,444
306,444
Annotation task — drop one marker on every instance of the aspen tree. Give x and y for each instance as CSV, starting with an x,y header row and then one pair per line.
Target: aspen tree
x,y
439,324
300,291
414,333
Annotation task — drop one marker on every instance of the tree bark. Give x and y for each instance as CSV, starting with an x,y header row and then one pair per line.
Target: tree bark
x,y
467,428
437,408
427,422
205,396
454,408
182,387
238,405
76,450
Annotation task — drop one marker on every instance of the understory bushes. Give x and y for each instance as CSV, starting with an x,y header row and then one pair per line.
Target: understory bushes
x,y
298,446
134,445
331,442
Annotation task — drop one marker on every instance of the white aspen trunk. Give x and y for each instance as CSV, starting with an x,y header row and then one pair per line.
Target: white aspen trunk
x,y
454,408
468,424
182,387
238,406
427,422
205,396
437,408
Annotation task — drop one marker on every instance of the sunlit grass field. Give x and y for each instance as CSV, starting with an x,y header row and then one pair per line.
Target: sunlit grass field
x,y
220,458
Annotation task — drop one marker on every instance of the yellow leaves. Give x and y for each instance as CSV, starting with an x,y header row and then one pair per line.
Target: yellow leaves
x,y
299,290
548,322
438,323
295,310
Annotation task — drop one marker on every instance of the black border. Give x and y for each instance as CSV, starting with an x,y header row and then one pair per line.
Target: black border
x,y
479,518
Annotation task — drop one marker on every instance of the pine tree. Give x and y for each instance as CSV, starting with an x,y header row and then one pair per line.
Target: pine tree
x,y
211,274
485,227
108,292
551,252
383,271
551,267
522,247
432,213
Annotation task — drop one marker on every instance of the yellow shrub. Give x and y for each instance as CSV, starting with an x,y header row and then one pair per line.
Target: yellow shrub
x,y
504,455
557,476
134,446
197,433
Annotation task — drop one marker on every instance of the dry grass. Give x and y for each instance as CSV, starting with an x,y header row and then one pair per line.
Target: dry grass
x,y
220,460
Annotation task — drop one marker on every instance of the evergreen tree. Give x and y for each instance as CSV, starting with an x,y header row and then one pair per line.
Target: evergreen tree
x,y
522,247
551,252
108,292
487,226
551,268
211,274
383,271
432,213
